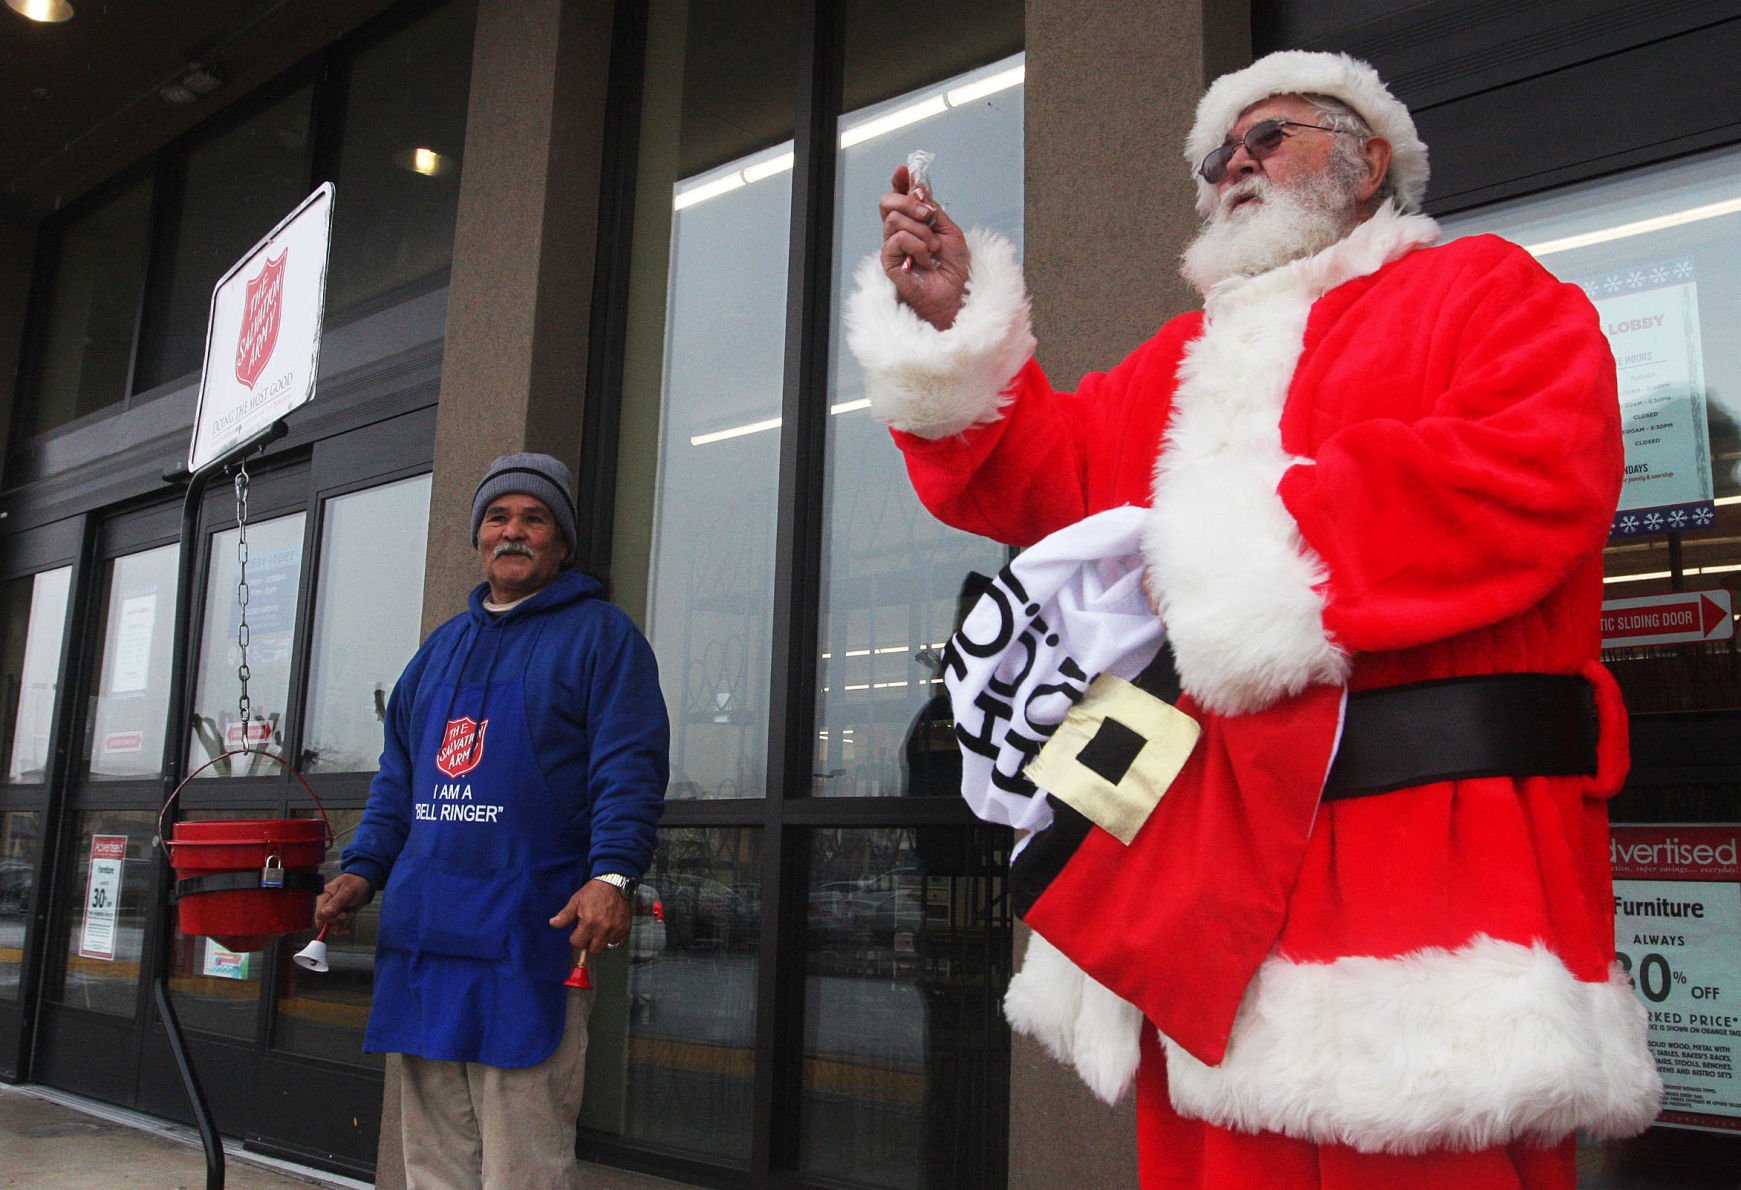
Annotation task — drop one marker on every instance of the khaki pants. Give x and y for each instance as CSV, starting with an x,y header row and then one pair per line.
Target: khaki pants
x,y
468,1126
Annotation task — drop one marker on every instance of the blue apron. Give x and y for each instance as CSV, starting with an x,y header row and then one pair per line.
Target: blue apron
x,y
467,966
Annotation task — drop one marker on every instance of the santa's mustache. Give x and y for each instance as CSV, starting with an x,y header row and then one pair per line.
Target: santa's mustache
x,y
513,547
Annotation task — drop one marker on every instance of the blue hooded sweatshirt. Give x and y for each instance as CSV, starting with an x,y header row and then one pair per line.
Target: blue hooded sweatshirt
x,y
526,752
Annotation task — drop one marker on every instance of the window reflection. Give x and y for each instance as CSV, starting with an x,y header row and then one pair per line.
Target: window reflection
x,y
124,732
35,624
367,618
239,185
274,573
110,885
671,1046
88,344
20,832
322,1015
1659,253
897,579
720,369
399,157
906,1053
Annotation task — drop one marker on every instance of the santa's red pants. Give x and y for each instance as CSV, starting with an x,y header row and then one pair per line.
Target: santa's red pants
x,y
1175,1152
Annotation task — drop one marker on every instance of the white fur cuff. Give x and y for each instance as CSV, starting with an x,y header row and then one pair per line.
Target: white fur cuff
x,y
935,383
1465,1049
1079,1022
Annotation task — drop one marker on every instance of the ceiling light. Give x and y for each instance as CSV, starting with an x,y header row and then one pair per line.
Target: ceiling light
x,y
47,11
193,82
1639,227
424,161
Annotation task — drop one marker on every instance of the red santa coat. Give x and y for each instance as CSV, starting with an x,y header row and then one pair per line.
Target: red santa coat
x,y
1382,464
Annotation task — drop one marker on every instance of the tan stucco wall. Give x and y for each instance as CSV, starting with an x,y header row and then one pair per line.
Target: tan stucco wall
x,y
521,297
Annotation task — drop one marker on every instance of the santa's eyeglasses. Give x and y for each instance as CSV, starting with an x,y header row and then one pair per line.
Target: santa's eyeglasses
x,y
1260,140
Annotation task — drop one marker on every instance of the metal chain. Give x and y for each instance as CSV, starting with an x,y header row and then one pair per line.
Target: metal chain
x,y
243,705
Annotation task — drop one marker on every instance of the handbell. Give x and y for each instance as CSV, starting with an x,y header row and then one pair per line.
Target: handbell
x,y
313,956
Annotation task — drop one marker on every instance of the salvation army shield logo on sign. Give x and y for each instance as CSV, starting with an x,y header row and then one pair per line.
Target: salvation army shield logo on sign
x,y
262,314
462,748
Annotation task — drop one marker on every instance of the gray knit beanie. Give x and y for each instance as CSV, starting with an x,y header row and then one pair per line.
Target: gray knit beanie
x,y
537,475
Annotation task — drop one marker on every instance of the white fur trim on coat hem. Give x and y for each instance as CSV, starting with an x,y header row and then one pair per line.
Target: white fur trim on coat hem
x,y
1239,588
935,383
1459,1050
1080,1022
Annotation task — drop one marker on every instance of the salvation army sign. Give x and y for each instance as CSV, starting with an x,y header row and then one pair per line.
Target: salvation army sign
x,y
263,336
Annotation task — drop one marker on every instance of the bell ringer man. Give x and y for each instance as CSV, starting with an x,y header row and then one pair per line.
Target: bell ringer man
x,y
1370,465
512,817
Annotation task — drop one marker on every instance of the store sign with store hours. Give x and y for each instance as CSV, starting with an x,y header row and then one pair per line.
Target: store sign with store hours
x,y
1677,929
1650,314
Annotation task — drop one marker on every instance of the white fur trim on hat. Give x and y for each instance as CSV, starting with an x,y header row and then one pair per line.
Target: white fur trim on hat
x,y
1467,1049
1079,1021
935,383
1311,72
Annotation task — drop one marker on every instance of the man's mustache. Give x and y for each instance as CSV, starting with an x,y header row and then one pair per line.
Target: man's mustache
x,y
513,547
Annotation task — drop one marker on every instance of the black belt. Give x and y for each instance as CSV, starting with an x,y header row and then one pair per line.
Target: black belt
x,y
1449,729
1453,729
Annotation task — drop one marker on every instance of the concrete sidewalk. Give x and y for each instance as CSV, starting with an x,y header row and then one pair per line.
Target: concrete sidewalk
x,y
54,1141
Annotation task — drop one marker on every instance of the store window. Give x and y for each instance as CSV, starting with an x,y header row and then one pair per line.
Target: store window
x,y
93,311
269,563
237,186
128,277
794,883
109,887
896,579
20,836
724,353
367,616
906,1062
676,1014
35,625
1658,251
124,729
399,157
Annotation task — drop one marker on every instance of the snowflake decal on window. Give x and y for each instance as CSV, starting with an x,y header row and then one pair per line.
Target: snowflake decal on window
x,y
1653,522
1683,269
1659,275
1677,519
1629,523
1704,516
1634,279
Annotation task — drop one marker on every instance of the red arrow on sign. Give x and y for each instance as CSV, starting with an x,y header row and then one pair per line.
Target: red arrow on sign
x,y
1667,619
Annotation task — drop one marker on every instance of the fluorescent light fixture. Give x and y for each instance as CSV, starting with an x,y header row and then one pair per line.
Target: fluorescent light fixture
x,y
899,118
423,161
754,427
1636,228
708,190
1003,80
49,12
1722,501
768,168
772,423
1635,578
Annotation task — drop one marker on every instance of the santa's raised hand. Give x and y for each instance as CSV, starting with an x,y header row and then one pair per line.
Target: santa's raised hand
x,y
924,252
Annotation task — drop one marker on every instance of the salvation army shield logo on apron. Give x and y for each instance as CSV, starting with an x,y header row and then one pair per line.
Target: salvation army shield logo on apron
x,y
262,314
462,747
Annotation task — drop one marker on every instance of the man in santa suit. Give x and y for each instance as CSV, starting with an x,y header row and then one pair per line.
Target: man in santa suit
x,y
1373,466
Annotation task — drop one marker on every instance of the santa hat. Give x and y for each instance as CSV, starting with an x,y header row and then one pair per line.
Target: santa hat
x,y
1311,72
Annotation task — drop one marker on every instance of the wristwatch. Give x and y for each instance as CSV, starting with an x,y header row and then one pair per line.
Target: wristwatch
x,y
623,884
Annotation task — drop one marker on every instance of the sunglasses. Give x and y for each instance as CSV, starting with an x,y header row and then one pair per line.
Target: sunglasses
x,y
1260,141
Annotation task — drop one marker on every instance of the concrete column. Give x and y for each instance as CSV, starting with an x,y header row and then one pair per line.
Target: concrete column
x,y
1112,86
520,301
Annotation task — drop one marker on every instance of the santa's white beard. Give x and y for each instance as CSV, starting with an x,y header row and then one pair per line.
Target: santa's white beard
x,y
1286,223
